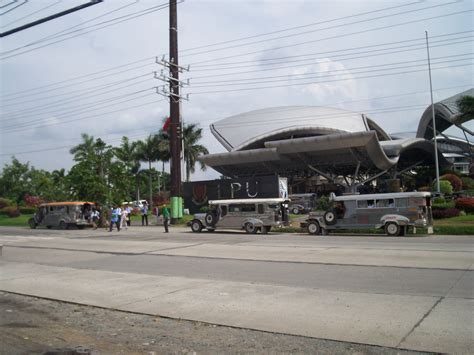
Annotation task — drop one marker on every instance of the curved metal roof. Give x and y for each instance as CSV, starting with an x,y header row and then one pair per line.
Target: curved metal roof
x,y
446,114
252,129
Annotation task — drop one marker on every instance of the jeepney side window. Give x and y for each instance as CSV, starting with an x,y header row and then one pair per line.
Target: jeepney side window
x,y
260,208
402,202
382,203
51,208
370,203
223,210
248,208
362,204
234,208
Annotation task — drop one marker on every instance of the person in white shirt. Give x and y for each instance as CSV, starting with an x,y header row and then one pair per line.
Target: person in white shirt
x,y
123,218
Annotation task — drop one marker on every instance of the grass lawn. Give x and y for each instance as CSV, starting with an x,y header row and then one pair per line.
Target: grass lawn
x,y
21,221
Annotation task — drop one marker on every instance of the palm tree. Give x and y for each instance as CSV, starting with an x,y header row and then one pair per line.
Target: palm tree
x,y
192,150
127,153
148,151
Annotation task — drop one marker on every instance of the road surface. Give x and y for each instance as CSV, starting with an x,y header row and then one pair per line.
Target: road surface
x,y
410,293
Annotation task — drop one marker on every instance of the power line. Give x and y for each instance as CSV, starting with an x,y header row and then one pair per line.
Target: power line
x,y
328,28
321,82
298,58
32,13
333,37
89,90
13,8
413,93
305,76
87,117
28,92
20,116
20,125
127,18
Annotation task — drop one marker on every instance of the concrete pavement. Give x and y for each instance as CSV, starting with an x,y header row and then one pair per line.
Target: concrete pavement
x,y
407,293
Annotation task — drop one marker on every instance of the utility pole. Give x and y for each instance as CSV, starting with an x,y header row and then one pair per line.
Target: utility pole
x,y
434,120
175,136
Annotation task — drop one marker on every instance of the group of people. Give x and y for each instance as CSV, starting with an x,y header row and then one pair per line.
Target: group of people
x,y
121,217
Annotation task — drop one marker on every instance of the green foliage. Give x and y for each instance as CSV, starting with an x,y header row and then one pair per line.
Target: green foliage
x,y
467,183
10,211
439,200
445,187
455,181
27,210
322,204
4,202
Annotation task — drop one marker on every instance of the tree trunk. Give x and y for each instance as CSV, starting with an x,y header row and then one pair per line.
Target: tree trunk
x,y
149,186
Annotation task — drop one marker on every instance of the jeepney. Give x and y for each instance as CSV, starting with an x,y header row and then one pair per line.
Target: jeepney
x,y
397,213
62,215
251,215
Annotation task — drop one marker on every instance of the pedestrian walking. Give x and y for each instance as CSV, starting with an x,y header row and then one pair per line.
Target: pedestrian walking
x,y
144,211
129,215
114,219
95,218
123,219
166,218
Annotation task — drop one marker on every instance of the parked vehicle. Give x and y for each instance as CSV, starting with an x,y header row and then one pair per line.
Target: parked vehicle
x,y
395,212
301,203
62,215
251,215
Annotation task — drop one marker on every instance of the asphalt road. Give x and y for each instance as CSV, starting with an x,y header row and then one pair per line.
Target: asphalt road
x,y
413,292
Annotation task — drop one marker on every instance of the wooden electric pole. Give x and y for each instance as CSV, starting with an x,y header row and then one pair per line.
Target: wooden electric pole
x,y
175,136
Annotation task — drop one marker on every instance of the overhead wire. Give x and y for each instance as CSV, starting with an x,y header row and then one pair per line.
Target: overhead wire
x,y
332,37
347,71
36,113
283,109
320,82
266,40
31,14
129,17
13,8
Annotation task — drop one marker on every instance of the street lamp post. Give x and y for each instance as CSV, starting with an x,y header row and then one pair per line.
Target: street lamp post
x,y
434,120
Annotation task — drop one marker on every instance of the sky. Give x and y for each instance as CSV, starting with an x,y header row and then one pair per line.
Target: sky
x,y
93,71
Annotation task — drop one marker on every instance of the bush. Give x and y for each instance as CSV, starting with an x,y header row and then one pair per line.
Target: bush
x,y
33,201
27,210
466,204
467,183
446,213
455,181
4,202
204,209
322,204
443,206
10,211
445,187
439,200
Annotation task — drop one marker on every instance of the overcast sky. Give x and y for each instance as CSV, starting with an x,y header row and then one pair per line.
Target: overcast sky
x,y
92,71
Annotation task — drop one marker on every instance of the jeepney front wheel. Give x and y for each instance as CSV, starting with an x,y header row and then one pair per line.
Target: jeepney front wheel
x,y
392,229
313,228
32,223
250,228
196,226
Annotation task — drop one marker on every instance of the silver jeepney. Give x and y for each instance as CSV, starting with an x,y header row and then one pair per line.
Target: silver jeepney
x,y
251,215
396,213
62,215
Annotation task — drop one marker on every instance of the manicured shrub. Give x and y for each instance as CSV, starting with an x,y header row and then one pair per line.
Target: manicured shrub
x,y
439,200
467,183
443,206
4,202
27,210
455,181
322,204
10,211
445,187
446,213
466,204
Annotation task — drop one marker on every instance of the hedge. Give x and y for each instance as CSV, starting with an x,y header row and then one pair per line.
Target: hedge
x,y
466,204
10,211
446,213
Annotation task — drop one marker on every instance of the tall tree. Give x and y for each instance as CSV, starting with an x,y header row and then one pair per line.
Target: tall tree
x,y
148,151
192,134
127,153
